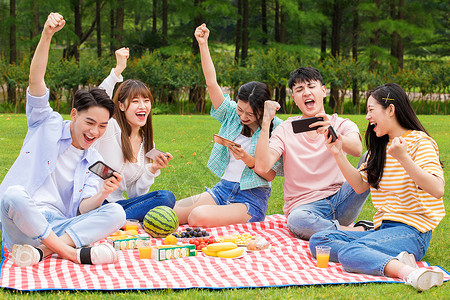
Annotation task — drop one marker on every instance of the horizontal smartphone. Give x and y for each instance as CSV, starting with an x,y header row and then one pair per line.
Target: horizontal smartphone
x,y
100,169
155,152
332,133
225,142
302,125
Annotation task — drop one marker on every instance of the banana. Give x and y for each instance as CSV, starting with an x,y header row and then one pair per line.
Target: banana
x,y
216,247
231,253
209,252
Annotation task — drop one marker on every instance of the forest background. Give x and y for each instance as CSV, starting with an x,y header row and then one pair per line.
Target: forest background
x,y
356,45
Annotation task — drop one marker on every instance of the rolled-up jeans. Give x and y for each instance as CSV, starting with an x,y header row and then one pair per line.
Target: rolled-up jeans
x,y
342,208
24,223
368,252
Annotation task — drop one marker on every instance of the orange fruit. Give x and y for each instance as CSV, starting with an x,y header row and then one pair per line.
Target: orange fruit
x,y
170,240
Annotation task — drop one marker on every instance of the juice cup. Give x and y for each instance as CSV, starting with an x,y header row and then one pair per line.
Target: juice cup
x,y
144,248
145,252
322,255
132,224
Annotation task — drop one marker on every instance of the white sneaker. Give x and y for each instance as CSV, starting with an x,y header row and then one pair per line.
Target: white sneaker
x,y
407,258
101,254
423,279
25,255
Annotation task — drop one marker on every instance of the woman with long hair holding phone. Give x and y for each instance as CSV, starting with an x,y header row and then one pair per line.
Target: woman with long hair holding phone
x,y
127,140
406,180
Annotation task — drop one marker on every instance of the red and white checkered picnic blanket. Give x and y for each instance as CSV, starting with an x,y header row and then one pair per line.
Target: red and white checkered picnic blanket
x,y
288,262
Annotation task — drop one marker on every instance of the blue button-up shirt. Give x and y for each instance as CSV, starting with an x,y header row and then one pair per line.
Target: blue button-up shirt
x,y
230,128
49,136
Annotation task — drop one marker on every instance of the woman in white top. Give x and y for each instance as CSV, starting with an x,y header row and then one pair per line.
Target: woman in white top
x,y
128,137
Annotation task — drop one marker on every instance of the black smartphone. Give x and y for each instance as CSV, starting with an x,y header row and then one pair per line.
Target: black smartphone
x,y
302,125
100,169
332,133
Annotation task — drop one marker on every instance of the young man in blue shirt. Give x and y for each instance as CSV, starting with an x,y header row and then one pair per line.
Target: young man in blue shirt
x,y
50,202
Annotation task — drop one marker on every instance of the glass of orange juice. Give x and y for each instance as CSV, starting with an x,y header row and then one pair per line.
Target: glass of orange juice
x,y
145,248
322,256
131,224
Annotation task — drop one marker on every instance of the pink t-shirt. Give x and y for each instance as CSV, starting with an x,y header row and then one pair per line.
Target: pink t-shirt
x,y
310,171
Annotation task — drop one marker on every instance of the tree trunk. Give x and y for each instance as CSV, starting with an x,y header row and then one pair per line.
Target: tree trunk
x,y
323,42
336,28
12,48
264,21
155,7
299,24
374,40
282,99
99,27
277,21
198,20
112,26
394,35
238,31
401,16
78,31
355,29
119,22
335,46
35,26
282,26
197,93
244,51
164,24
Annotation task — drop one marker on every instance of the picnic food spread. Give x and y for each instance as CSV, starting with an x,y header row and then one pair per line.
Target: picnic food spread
x,y
184,243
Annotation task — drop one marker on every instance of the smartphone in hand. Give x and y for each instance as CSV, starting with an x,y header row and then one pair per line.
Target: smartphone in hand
x,y
152,154
225,142
102,170
332,133
302,125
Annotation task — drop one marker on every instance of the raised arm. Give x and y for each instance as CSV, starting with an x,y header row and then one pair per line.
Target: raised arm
x,y
265,157
122,55
38,66
215,92
115,75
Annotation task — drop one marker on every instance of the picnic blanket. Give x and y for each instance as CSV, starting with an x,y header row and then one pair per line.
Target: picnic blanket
x,y
287,262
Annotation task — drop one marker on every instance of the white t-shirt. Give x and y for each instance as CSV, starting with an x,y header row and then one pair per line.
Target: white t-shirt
x,y
234,169
57,190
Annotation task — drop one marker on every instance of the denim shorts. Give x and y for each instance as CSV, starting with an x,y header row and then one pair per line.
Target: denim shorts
x,y
256,199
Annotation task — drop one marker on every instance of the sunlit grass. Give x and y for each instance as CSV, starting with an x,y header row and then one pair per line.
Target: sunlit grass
x,y
189,139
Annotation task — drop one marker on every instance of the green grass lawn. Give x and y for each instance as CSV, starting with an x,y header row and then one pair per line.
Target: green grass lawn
x,y
189,139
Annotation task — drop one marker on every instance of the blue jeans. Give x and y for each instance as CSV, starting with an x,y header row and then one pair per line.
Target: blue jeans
x,y
368,252
257,199
24,223
137,207
329,213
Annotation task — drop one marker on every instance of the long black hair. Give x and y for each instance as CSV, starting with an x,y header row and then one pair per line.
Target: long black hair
x,y
255,93
385,95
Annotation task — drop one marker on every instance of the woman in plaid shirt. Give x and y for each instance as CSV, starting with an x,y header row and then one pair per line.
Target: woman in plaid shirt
x,y
241,195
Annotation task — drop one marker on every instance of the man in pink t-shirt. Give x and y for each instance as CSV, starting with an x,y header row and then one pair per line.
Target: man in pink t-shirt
x,y
316,195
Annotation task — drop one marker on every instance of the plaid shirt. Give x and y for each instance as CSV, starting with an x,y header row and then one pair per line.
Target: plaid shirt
x,y
230,129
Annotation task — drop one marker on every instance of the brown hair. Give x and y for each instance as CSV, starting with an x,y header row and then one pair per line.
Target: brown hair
x,y
128,90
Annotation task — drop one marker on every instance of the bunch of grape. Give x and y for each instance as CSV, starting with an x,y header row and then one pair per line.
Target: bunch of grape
x,y
191,233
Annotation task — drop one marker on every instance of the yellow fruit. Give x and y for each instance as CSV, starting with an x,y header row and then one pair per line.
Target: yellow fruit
x,y
208,252
170,240
231,253
216,247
